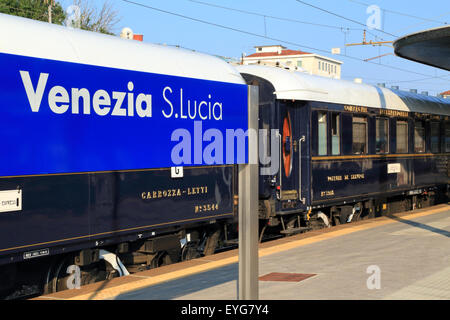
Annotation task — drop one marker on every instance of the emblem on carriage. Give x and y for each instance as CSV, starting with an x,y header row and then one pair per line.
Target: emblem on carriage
x,y
287,145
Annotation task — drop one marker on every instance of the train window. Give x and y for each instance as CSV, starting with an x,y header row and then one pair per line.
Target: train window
x,y
402,137
447,137
359,135
382,135
335,135
322,118
419,137
435,143
319,65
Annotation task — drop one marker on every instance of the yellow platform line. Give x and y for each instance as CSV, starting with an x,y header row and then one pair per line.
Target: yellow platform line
x,y
110,293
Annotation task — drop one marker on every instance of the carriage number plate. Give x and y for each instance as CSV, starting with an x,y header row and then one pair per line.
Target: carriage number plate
x,y
176,172
10,200
36,253
394,168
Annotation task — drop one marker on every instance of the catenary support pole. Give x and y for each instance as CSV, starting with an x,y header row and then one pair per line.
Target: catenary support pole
x,y
248,207
50,4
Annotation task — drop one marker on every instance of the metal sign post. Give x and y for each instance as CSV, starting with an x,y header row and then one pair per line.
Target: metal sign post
x,y
248,207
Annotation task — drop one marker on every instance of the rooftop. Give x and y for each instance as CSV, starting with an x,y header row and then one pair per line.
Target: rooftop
x,y
286,52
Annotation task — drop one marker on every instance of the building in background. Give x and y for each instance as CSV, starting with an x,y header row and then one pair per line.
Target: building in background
x,y
446,94
127,33
280,56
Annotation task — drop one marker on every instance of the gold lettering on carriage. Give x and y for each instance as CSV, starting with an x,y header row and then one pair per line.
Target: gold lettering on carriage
x,y
355,176
355,109
327,193
393,113
177,192
334,178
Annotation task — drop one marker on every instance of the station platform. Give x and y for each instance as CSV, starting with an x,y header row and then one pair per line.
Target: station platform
x,y
404,256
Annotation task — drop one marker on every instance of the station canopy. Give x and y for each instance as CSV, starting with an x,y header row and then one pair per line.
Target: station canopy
x,y
431,47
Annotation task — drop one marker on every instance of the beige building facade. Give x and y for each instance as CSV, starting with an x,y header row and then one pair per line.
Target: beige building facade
x,y
446,94
280,56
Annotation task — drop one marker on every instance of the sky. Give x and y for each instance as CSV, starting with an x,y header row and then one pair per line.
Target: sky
x,y
203,26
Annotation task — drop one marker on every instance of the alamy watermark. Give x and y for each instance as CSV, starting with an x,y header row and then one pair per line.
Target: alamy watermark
x,y
213,147
73,16
74,279
375,19
374,280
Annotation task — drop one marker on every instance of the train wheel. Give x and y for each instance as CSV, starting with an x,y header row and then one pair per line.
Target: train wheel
x,y
62,274
49,276
319,221
162,258
211,242
336,219
56,273
190,251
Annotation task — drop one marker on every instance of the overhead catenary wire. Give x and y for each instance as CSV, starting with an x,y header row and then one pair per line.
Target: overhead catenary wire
x,y
341,28
400,13
266,37
420,23
388,81
194,50
418,80
424,20
274,17
378,81
345,30
342,17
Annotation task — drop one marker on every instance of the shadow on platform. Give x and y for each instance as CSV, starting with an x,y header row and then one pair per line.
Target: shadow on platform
x,y
183,286
421,226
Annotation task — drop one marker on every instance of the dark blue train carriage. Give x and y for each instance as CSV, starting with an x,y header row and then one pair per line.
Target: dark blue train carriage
x,y
86,163
347,150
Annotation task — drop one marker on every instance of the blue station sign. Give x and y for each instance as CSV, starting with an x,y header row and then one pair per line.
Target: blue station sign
x,y
63,117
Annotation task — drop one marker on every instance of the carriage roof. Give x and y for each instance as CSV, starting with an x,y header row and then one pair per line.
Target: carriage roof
x,y
26,37
294,85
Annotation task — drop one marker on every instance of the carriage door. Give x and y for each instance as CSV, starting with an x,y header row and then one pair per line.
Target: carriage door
x,y
288,172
